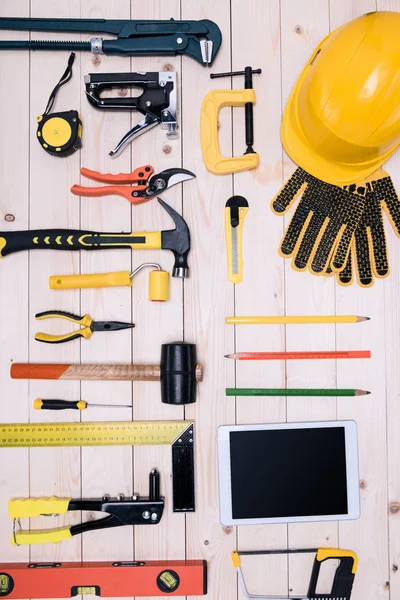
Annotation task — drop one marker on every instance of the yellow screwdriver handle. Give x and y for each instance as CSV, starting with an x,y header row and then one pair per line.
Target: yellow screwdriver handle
x,y
34,507
36,536
213,159
40,404
96,280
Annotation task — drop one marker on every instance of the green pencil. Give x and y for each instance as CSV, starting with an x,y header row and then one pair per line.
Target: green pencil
x,y
293,392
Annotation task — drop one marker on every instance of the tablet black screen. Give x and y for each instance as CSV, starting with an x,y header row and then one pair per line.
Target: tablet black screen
x,y
288,473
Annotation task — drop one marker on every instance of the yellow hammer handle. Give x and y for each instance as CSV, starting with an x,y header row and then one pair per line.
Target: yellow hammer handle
x,y
36,536
96,280
34,507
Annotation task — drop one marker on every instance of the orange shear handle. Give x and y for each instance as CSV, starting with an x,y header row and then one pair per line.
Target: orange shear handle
x,y
140,174
109,190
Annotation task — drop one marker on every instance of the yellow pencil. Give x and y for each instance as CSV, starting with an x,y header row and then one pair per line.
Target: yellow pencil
x,y
294,320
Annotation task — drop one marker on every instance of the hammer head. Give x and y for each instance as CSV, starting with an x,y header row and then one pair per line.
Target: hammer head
x,y
177,240
178,373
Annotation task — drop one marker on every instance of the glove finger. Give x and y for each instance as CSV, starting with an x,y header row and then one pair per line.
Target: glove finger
x,y
386,193
342,249
308,241
294,231
324,248
380,258
294,186
363,258
345,277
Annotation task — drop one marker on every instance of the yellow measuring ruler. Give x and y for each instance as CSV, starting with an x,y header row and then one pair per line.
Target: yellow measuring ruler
x,y
177,434
102,433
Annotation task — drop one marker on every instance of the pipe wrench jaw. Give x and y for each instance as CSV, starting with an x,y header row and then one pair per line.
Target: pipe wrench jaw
x,y
157,102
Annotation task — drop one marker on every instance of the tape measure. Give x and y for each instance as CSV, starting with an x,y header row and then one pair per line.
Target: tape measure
x,y
106,433
60,134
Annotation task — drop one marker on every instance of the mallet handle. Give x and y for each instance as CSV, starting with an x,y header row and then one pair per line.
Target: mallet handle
x,y
94,372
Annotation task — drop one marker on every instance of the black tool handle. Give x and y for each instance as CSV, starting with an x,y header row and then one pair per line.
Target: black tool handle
x,y
64,25
248,108
59,404
342,581
165,45
65,239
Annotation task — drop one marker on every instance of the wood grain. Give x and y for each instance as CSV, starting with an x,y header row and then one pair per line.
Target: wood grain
x,y
277,36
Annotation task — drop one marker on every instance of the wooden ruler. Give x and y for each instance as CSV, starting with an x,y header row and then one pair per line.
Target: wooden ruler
x,y
177,434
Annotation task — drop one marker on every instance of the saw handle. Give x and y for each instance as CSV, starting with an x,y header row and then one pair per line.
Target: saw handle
x,y
344,575
74,239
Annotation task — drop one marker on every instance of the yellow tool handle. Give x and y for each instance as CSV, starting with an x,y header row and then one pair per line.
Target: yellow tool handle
x,y
36,536
327,553
66,337
146,239
40,404
235,277
96,280
236,559
86,320
212,104
34,507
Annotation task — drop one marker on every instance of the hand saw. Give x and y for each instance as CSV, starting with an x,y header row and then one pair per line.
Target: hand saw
x,y
342,581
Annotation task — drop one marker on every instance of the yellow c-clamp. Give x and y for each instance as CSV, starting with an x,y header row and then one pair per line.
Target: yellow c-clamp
x,y
212,104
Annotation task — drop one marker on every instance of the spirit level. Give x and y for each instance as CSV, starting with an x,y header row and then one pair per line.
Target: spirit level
x,y
105,579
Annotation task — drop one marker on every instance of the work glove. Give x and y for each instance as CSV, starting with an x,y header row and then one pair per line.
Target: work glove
x,y
319,234
368,249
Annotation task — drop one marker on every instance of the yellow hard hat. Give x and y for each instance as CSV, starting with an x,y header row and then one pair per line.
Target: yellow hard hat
x,y
342,119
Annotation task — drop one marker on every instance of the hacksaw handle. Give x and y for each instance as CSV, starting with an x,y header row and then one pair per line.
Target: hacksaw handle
x,y
91,372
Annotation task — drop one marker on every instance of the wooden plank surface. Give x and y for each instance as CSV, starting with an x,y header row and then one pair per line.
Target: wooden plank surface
x,y
279,36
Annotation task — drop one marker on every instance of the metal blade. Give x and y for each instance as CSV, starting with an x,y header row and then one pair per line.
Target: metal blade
x,y
235,257
110,325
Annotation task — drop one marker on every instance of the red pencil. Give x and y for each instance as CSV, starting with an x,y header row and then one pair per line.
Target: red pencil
x,y
300,355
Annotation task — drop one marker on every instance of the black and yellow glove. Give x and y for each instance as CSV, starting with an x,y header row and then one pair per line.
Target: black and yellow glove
x,y
320,232
368,250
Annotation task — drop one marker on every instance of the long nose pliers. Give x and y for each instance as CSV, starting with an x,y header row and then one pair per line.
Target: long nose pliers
x,y
88,326
143,184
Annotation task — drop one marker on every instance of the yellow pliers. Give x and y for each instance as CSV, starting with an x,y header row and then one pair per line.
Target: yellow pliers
x,y
88,326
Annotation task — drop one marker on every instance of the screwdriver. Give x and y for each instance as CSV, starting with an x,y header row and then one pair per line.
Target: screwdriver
x,y
40,404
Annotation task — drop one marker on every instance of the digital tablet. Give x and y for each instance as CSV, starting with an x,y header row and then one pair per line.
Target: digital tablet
x,y
288,472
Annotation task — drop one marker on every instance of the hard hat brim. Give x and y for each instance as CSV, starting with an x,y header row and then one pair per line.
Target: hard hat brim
x,y
301,151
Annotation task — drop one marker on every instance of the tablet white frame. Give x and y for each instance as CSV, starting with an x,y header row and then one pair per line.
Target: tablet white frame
x,y
224,469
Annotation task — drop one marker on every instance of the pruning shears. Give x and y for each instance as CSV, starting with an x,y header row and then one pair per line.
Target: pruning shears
x,y
140,185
